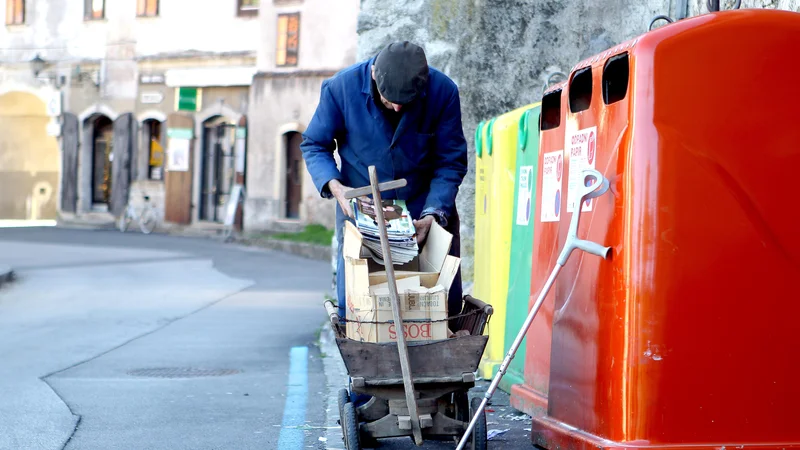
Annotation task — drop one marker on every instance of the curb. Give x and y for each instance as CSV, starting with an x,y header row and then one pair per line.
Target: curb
x,y
6,275
304,249
335,379
70,225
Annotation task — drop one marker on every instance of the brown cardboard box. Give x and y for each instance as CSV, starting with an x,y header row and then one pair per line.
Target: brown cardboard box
x,y
423,287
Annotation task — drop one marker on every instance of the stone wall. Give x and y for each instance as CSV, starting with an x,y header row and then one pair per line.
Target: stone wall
x,y
501,52
699,6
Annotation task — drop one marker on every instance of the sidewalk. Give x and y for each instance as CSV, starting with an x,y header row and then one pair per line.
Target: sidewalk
x,y
513,426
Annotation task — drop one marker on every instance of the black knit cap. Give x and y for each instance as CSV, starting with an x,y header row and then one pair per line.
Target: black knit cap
x,y
401,72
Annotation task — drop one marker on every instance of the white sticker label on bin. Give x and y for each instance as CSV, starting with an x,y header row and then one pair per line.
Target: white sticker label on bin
x,y
582,155
552,173
524,200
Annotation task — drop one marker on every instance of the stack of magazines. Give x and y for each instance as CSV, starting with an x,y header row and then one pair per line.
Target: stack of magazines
x,y
399,227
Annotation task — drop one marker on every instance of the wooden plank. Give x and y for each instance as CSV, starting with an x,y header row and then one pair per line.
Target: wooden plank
x,y
417,381
408,382
70,143
387,186
448,358
121,166
178,185
241,172
294,175
133,153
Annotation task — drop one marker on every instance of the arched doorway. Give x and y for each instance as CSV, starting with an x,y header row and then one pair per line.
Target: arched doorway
x,y
29,159
294,174
102,160
216,167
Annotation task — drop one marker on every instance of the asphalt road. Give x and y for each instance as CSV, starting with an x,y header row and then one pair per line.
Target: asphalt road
x,y
125,341
111,340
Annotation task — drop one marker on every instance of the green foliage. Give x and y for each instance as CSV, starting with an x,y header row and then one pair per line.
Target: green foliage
x,y
313,234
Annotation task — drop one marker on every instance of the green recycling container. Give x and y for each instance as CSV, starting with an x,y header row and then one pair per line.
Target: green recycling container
x,y
519,276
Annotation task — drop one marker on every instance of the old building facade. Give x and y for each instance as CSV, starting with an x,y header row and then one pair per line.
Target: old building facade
x,y
93,94
303,42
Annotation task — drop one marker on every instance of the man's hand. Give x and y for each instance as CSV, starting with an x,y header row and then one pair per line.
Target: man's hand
x,y
423,226
338,190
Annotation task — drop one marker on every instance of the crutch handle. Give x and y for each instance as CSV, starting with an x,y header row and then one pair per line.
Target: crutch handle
x,y
592,247
597,188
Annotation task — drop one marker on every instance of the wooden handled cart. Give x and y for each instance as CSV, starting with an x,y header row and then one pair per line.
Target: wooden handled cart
x,y
417,389
442,374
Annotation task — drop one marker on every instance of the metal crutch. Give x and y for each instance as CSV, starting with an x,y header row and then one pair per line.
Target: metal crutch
x,y
597,189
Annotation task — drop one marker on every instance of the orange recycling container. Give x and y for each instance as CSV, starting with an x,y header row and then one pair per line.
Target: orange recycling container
x,y
531,396
685,337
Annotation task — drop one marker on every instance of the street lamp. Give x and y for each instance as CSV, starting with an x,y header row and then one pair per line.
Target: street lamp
x,y
37,65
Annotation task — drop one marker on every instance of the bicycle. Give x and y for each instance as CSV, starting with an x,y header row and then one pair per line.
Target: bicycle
x,y
146,217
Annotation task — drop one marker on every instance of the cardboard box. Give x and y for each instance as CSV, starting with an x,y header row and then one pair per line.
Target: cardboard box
x,y
422,285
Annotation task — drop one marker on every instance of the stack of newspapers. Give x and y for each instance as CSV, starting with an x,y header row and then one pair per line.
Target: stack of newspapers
x,y
399,227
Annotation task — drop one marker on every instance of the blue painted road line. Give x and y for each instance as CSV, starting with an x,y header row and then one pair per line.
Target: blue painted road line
x,y
294,412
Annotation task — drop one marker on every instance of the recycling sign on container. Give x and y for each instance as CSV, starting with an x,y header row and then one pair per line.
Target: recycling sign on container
x,y
524,197
582,155
552,174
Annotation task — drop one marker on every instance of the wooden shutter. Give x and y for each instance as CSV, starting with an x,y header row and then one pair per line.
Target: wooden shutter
x,y
19,17
10,12
147,8
94,9
15,12
293,39
152,8
280,55
288,39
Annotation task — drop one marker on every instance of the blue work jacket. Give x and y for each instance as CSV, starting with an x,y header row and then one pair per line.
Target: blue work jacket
x,y
428,148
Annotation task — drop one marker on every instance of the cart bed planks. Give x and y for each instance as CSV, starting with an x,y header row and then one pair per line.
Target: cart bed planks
x,y
447,358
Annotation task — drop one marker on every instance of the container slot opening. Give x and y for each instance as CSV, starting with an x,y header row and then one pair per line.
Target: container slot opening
x,y
551,111
580,90
615,78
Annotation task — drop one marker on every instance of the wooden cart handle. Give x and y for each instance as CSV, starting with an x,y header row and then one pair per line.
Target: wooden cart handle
x,y
333,312
382,187
405,365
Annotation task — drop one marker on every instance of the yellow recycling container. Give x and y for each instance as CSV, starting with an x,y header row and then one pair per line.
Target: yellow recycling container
x,y
500,187
482,241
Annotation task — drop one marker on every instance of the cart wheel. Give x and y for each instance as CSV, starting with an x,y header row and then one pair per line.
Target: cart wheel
x,y
479,439
350,425
461,406
344,398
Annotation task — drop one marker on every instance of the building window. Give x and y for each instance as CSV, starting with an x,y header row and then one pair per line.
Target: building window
x,y
288,39
15,12
248,7
147,8
94,9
